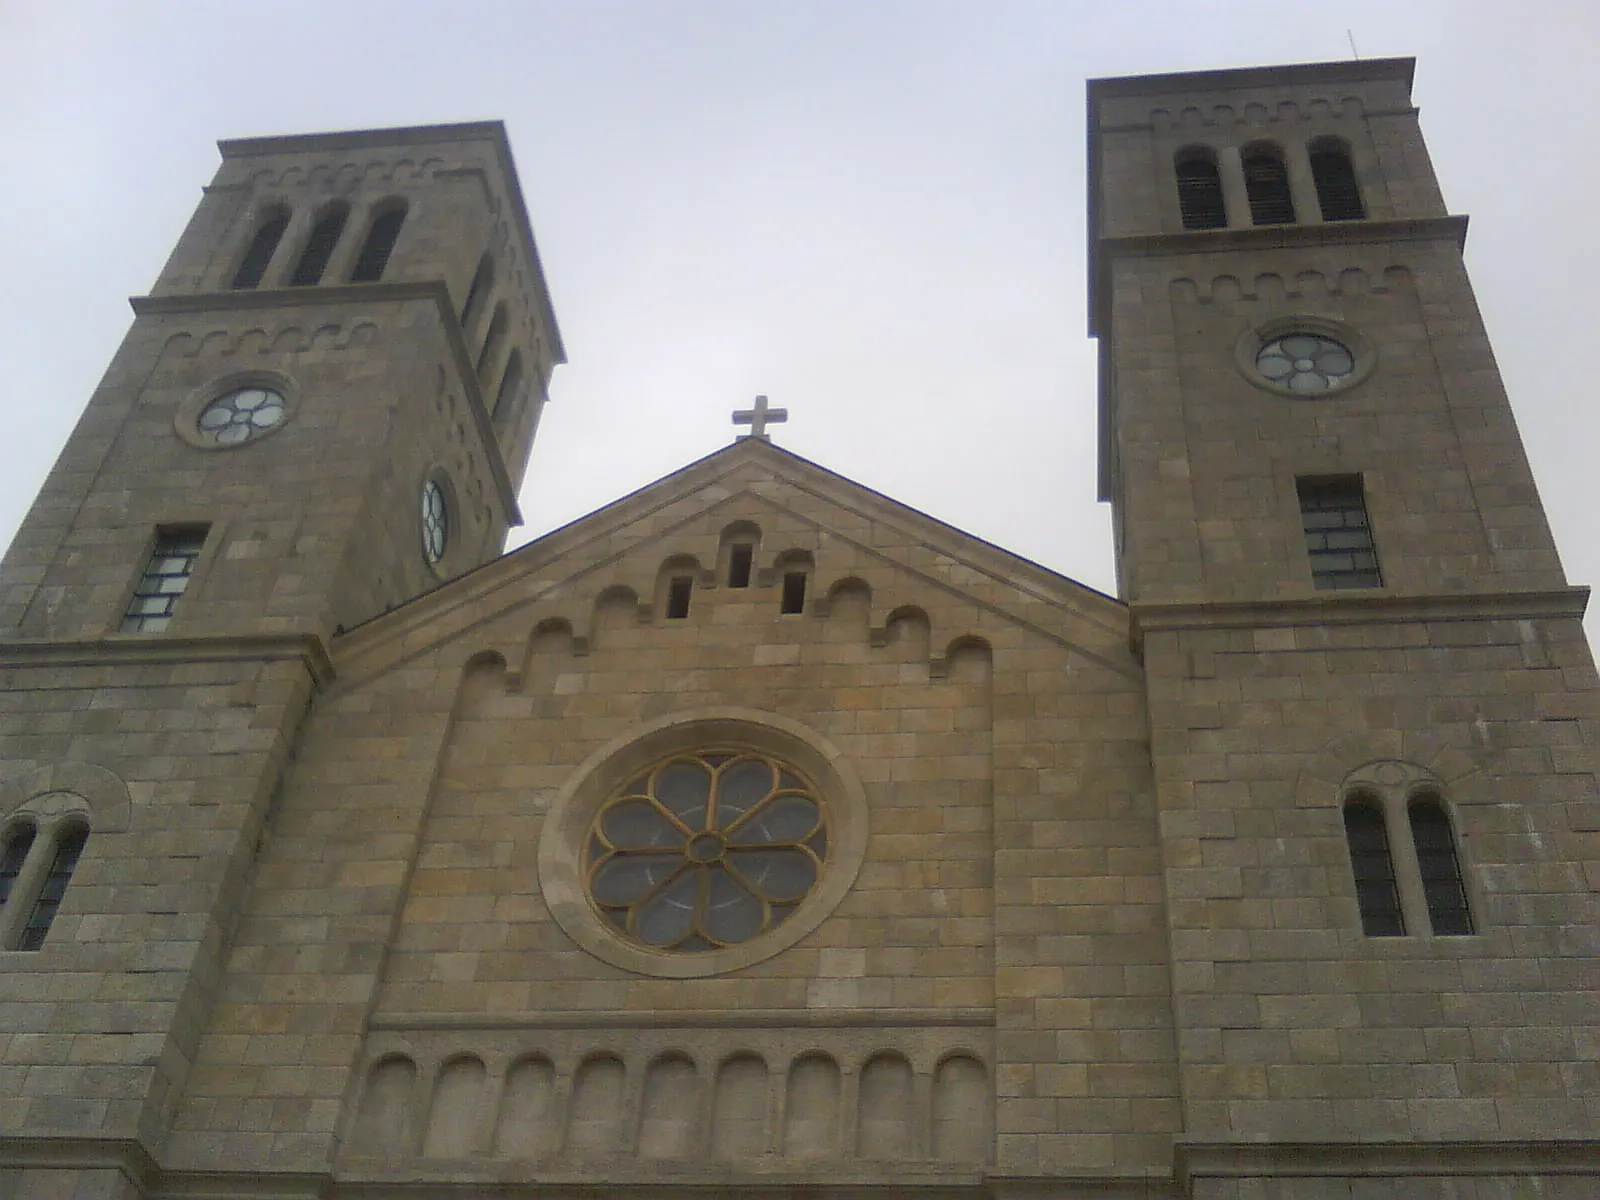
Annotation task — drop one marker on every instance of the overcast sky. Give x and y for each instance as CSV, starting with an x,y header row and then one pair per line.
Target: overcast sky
x,y
871,211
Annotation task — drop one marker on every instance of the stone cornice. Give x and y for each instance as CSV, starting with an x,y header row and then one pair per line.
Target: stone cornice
x,y
1378,609
141,649
746,1018
363,293
1234,1160
1261,237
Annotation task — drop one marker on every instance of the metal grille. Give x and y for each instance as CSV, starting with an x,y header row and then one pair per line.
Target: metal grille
x,y
375,251
1266,182
319,248
166,577
1373,868
1441,870
1338,195
1338,536
1200,195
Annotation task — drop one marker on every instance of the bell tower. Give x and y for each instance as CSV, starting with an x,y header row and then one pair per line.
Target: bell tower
x,y
1369,688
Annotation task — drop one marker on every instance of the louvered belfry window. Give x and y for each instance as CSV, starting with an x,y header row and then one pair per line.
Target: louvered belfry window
x,y
1266,183
1200,191
375,251
253,267
319,247
1373,868
1338,194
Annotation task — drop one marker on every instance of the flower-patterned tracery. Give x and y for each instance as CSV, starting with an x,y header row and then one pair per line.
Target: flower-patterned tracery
x,y
706,850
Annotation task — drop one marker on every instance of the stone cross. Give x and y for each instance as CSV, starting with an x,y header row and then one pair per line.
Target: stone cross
x,y
759,417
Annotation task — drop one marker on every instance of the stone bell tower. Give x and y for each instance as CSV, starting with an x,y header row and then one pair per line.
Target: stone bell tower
x,y
322,410
1370,694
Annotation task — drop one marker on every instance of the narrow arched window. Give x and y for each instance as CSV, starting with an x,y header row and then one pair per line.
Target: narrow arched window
x,y
510,384
1439,867
375,251
13,853
1373,868
492,339
253,267
319,247
1200,190
45,906
1338,194
1266,183
478,290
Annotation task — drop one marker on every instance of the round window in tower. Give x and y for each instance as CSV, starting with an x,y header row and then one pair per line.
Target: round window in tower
x,y
1306,362
241,414
435,522
706,850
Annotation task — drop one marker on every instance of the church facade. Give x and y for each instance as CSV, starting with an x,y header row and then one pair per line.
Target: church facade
x,y
757,835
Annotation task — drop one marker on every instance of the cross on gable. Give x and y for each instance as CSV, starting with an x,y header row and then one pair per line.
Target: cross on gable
x,y
759,417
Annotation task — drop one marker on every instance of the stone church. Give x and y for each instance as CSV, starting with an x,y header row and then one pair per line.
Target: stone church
x,y
757,836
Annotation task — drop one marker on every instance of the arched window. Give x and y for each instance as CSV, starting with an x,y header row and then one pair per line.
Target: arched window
x,y
492,339
1373,868
1440,869
478,291
1266,183
1338,195
1200,189
510,384
253,267
319,246
13,853
375,251
69,848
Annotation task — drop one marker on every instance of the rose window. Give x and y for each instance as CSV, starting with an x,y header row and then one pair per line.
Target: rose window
x,y
240,415
706,850
1305,362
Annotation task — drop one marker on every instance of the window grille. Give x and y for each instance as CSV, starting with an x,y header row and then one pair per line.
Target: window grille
x,y
482,281
740,557
375,251
1200,193
1338,534
510,384
165,578
1440,869
1373,868
253,267
1266,183
68,850
319,247
15,853
679,589
1338,194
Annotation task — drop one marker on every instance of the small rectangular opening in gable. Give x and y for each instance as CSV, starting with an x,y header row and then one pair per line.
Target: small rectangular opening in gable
x,y
794,591
740,557
678,590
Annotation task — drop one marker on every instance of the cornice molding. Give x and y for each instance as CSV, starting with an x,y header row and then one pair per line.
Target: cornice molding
x,y
746,1018
1257,237
1237,1160
363,293
143,649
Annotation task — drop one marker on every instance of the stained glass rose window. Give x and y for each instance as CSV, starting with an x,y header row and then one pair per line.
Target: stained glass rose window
x,y
706,850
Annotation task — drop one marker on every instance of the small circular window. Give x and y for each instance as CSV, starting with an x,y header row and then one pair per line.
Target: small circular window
x,y
705,851
435,521
1306,362
241,414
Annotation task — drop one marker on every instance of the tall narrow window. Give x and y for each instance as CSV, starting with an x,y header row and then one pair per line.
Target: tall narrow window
x,y
68,850
165,578
679,589
319,247
740,557
1333,512
492,339
1338,194
1200,190
794,591
1266,183
1373,868
510,385
482,282
1440,869
12,855
253,267
375,251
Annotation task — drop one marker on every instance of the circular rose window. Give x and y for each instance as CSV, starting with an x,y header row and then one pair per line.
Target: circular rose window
x,y
435,522
240,415
707,850
1306,362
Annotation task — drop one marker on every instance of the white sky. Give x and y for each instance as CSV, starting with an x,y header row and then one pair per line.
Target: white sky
x,y
870,210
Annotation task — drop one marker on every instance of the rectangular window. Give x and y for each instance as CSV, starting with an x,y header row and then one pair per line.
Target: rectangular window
x,y
794,591
165,577
678,591
740,555
1333,512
